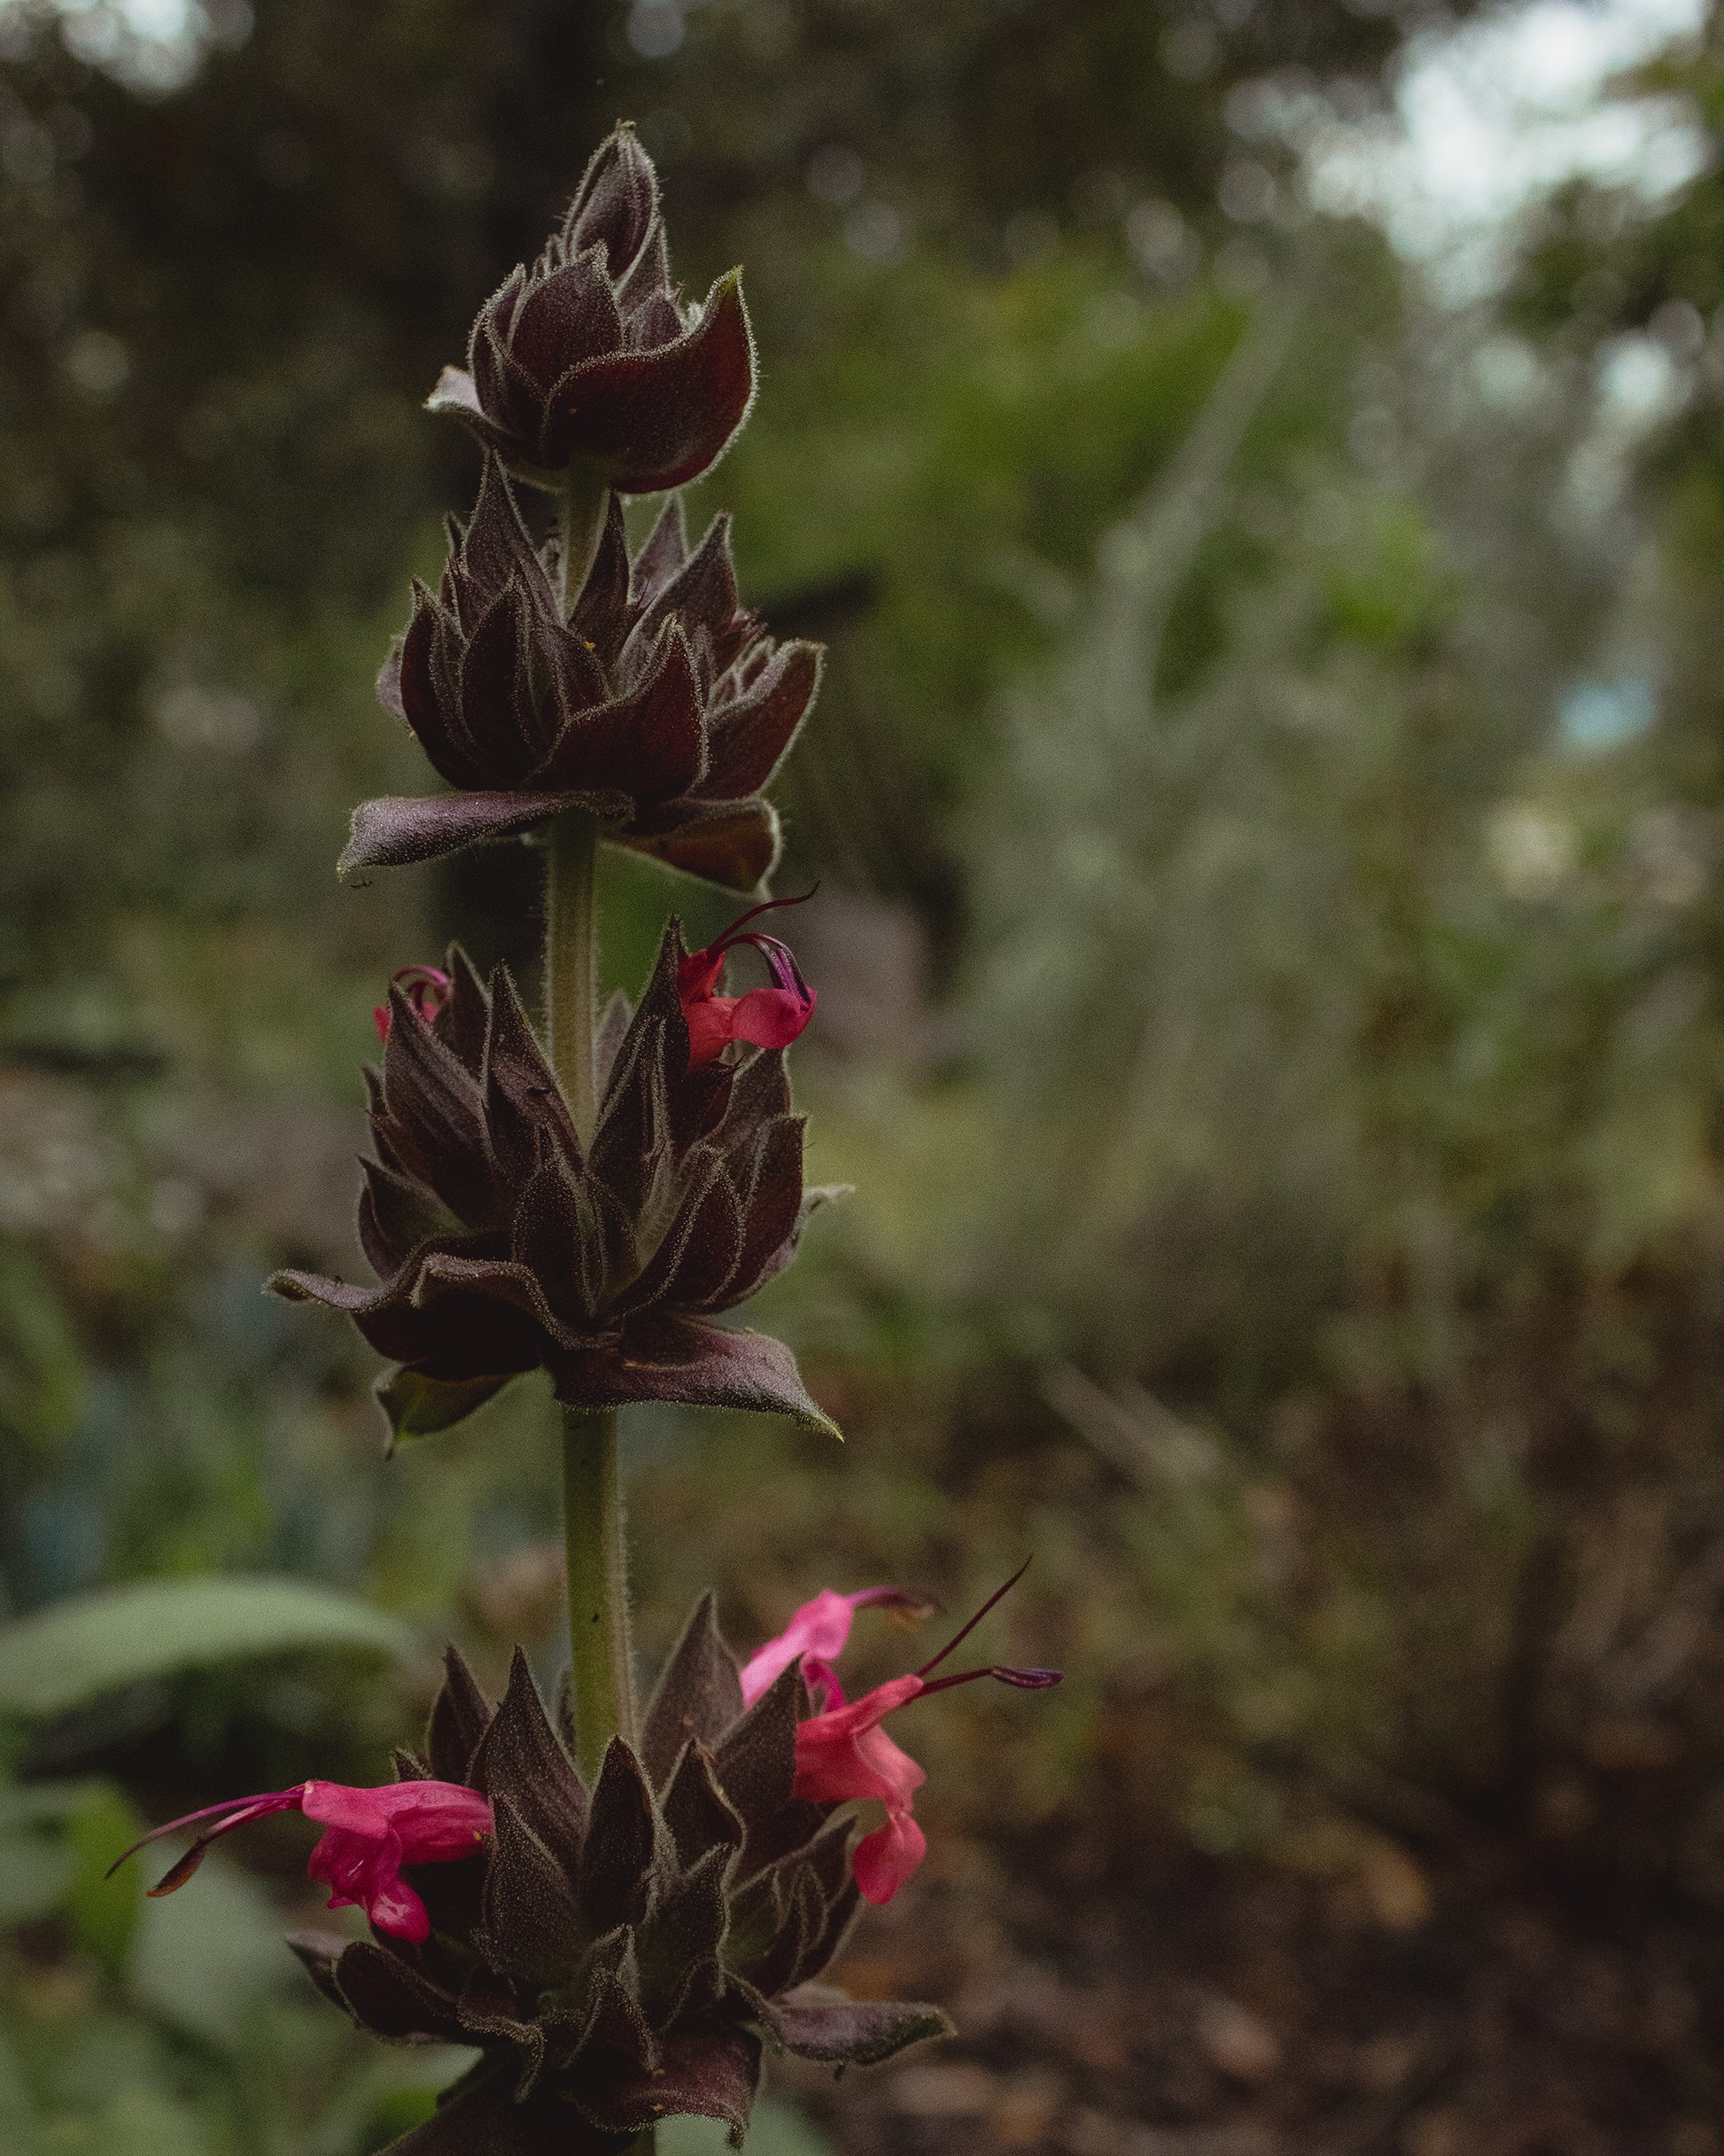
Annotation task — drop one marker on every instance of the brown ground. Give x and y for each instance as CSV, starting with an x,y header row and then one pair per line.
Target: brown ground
x,y
1152,2002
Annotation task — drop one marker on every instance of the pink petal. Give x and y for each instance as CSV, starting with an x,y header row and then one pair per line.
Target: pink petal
x,y
892,1766
820,1627
823,1686
887,1857
771,1017
712,1027
871,1710
846,1755
370,1834
697,975
343,1862
395,1908
354,1811
435,1821
364,1873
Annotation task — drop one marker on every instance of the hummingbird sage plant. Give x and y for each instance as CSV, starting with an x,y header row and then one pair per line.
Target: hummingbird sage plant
x,y
620,1912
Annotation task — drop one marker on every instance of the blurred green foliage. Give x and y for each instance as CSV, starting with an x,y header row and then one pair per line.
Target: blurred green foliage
x,y
1269,793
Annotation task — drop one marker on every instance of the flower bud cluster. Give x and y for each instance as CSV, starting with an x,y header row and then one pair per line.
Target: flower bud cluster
x,y
591,356
625,1952
646,695
502,1244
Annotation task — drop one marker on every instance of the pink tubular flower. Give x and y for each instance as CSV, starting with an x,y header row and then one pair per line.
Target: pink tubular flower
x,y
767,1017
428,988
369,1834
842,1753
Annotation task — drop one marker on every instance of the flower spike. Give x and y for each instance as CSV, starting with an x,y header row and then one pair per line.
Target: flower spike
x,y
662,704
635,1921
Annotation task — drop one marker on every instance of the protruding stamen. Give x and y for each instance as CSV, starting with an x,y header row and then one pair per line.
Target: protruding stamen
x,y
767,905
958,1637
236,1812
1026,1680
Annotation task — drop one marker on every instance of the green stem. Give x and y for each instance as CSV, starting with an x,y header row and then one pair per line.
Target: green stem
x,y
585,503
571,938
600,1684
571,960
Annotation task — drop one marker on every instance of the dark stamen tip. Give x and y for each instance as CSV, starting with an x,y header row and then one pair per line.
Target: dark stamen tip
x,y
1026,1680
177,1875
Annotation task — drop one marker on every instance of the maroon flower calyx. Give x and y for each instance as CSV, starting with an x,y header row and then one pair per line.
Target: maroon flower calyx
x,y
368,1835
625,1949
661,704
502,1244
764,1017
592,355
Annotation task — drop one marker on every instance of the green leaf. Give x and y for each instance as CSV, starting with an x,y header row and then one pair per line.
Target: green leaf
x,y
774,2131
36,1872
74,1650
18,2129
104,1911
420,1407
57,1840
206,1960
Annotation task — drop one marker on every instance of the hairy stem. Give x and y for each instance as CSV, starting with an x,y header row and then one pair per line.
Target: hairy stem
x,y
601,1687
585,505
571,960
600,1684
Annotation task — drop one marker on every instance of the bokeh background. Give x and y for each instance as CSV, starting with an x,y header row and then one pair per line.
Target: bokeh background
x,y
1260,473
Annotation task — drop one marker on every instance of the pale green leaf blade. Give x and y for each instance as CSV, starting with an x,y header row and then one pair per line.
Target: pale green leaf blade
x,y
74,1650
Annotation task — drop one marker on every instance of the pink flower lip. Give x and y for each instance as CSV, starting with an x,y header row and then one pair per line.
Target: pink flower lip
x,y
427,988
765,1017
368,1835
